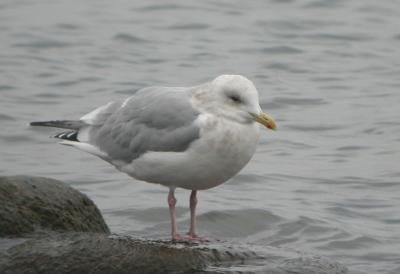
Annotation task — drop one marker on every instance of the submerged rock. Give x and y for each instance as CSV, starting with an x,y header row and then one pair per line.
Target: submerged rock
x,y
29,204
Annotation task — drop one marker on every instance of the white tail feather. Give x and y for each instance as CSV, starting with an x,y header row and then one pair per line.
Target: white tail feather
x,y
87,148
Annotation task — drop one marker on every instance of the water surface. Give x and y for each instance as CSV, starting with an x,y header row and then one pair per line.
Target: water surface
x,y
327,182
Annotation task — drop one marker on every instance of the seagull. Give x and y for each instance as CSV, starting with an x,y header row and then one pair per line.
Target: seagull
x,y
193,138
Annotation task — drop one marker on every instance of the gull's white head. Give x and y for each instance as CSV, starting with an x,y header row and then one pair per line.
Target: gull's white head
x,y
236,98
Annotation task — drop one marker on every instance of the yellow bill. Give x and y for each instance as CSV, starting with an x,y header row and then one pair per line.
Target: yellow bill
x,y
265,120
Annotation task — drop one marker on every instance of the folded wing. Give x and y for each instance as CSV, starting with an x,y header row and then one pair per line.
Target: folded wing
x,y
154,119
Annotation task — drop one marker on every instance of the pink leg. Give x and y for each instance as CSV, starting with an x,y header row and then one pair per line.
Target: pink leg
x,y
192,231
171,204
193,204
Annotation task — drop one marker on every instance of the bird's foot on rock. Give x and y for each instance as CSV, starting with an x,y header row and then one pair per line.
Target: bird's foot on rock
x,y
178,238
196,238
189,238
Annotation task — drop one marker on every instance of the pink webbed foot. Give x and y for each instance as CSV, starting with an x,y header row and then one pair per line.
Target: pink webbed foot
x,y
197,238
178,238
189,238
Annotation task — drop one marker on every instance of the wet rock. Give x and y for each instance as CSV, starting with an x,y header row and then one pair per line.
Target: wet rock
x,y
101,253
48,227
98,253
29,204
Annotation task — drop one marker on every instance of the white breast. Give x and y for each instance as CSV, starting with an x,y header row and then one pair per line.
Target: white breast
x,y
223,149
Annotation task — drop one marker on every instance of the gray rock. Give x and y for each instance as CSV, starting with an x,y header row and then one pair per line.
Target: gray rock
x,y
29,204
101,253
98,253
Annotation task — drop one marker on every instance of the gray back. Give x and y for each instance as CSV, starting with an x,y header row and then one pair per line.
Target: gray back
x,y
154,119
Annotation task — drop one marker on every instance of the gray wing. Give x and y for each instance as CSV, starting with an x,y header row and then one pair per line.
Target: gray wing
x,y
154,119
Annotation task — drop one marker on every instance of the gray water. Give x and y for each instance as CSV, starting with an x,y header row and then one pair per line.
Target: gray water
x,y
327,182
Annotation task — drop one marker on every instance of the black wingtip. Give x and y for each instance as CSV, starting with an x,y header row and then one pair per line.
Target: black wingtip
x,y
75,125
36,124
68,135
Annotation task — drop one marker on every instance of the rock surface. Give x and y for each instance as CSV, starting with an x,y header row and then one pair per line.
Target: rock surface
x,y
48,227
29,204
101,253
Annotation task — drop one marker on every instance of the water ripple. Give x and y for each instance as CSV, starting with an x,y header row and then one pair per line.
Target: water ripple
x,y
189,26
287,67
129,38
5,117
316,127
163,7
6,87
68,26
271,50
351,244
353,37
238,223
44,44
74,82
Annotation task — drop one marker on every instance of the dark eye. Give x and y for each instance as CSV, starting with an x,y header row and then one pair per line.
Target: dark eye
x,y
235,98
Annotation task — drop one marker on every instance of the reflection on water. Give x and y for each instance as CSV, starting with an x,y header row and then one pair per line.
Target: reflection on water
x,y
327,182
